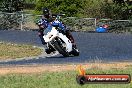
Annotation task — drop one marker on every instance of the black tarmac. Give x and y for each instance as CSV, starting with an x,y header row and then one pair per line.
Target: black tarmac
x,y
94,47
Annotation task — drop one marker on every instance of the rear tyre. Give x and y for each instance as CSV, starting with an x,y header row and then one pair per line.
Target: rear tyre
x,y
75,51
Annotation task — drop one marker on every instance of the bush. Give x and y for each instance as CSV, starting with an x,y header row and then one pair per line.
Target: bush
x,y
117,11
93,8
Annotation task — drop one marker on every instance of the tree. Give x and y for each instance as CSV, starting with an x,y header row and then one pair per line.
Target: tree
x,y
69,7
12,5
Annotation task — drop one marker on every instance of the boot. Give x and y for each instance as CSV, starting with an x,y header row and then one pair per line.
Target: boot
x,y
74,45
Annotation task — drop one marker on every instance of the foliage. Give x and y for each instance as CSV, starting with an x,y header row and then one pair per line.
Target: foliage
x,y
117,11
79,8
86,8
2,5
30,1
12,5
93,8
69,7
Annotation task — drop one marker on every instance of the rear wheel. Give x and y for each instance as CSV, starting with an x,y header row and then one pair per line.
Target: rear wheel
x,y
75,51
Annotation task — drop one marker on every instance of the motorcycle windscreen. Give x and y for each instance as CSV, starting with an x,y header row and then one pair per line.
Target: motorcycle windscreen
x,y
47,30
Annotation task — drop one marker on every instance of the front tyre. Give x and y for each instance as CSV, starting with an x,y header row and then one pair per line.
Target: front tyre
x,y
61,49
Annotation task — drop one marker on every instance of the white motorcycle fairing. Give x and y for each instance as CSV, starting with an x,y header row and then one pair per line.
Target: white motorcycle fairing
x,y
53,34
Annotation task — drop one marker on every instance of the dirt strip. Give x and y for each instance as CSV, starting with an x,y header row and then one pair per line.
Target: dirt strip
x,y
62,67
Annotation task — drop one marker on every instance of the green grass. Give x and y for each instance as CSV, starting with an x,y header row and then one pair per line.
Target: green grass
x,y
13,51
58,80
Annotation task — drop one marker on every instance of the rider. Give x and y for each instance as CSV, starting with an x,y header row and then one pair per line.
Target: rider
x,y
43,23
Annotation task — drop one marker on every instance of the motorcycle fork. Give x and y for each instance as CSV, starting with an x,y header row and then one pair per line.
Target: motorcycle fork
x,y
50,46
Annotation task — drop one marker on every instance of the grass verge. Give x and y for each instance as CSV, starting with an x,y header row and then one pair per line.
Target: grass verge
x,y
13,51
63,79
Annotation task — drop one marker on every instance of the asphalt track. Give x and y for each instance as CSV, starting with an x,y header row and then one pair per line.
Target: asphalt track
x,y
104,47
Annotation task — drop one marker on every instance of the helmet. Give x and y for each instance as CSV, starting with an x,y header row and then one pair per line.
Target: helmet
x,y
105,26
46,12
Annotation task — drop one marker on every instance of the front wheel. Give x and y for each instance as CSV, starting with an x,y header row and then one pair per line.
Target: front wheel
x,y
61,49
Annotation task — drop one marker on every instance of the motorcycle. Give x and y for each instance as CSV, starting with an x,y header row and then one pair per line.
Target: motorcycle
x,y
57,41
